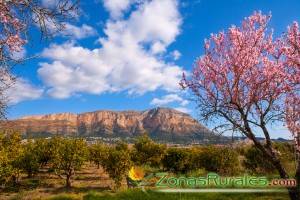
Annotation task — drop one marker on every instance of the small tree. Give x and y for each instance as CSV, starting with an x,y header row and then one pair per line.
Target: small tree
x,y
98,153
242,81
145,151
47,150
10,151
69,158
29,159
117,163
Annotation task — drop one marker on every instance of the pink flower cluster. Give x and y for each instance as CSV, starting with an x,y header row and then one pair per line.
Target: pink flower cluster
x,y
292,53
11,27
246,68
293,117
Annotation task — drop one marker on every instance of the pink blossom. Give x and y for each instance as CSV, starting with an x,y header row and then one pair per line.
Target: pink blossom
x,y
11,36
244,70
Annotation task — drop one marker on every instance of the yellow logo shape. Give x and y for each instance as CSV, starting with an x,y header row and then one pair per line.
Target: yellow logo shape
x,y
136,173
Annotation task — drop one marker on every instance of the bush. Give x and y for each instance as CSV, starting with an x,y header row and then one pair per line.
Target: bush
x,y
147,152
256,163
222,160
286,151
177,160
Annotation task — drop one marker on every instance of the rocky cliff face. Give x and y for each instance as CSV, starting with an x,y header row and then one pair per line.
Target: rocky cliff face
x,y
160,123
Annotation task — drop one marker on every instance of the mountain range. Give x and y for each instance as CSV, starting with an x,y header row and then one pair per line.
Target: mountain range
x,y
161,124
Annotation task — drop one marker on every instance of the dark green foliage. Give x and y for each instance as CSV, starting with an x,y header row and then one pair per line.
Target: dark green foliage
x,y
222,160
28,162
256,163
121,146
147,152
177,160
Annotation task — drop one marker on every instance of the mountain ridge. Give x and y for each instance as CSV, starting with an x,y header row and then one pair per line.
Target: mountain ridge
x,y
163,124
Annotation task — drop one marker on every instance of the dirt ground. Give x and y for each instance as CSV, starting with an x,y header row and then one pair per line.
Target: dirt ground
x,y
46,184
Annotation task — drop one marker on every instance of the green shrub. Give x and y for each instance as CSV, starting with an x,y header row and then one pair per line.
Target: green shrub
x,y
222,160
147,152
286,151
256,163
177,160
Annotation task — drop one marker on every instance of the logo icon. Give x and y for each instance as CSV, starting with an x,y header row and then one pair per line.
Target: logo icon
x,y
136,174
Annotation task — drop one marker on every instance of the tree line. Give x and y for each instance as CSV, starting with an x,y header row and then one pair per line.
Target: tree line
x,y
64,157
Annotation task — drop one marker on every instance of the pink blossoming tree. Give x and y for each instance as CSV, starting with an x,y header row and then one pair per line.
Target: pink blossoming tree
x,y
16,18
292,58
247,80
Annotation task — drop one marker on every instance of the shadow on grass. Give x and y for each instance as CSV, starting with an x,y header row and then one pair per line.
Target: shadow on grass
x,y
29,184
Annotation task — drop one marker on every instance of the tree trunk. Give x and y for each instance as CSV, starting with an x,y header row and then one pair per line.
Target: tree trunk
x,y
30,174
295,192
15,180
68,181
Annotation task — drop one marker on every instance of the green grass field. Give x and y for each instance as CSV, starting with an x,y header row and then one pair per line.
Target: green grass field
x,y
150,195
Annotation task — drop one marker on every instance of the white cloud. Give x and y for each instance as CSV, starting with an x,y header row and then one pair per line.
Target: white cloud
x,y
167,99
22,90
176,54
183,109
78,32
127,59
117,7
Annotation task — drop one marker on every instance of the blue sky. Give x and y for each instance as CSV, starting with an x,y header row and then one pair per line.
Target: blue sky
x,y
128,54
